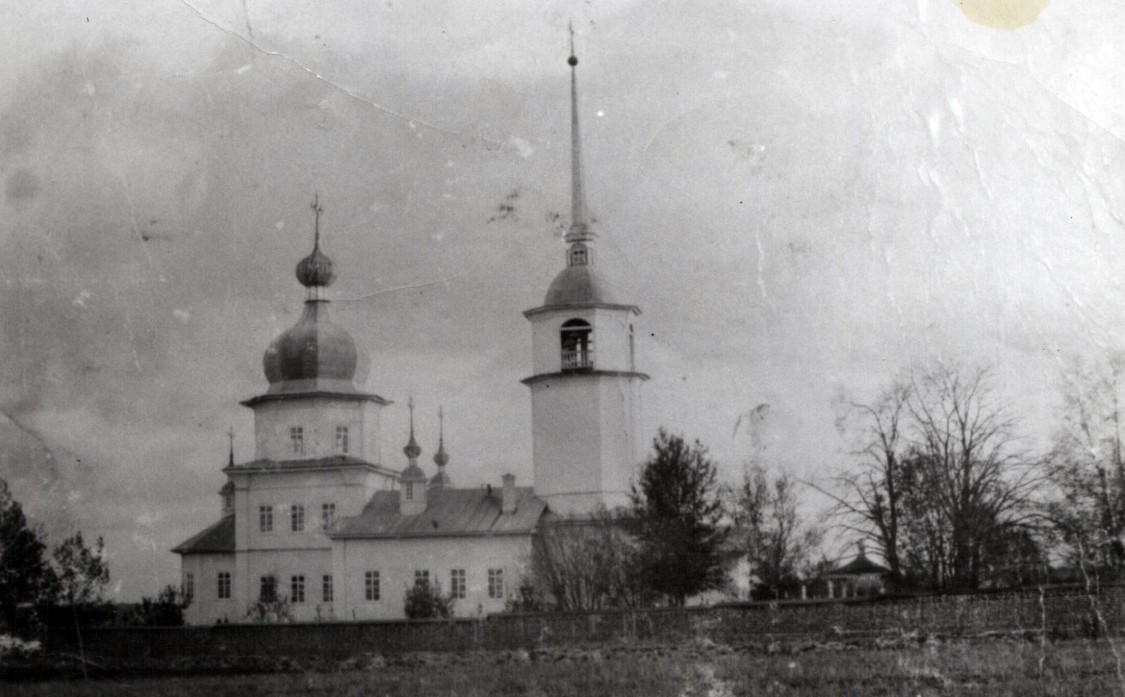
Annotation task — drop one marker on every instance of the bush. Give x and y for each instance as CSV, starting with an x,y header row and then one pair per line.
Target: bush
x,y
425,601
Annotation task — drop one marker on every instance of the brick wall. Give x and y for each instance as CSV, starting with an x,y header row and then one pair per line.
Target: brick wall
x,y
1065,612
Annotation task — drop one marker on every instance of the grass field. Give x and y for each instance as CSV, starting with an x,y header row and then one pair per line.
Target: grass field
x,y
969,667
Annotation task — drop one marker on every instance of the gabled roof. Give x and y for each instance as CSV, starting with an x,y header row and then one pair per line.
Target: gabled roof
x,y
330,462
859,566
217,538
449,513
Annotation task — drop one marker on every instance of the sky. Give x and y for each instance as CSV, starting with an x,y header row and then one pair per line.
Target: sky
x,y
803,198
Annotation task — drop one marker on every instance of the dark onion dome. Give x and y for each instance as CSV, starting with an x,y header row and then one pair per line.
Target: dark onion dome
x,y
441,458
412,450
412,473
315,349
440,479
580,285
315,270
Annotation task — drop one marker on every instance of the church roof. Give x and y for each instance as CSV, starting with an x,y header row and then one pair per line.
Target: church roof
x,y
861,565
449,513
217,538
330,462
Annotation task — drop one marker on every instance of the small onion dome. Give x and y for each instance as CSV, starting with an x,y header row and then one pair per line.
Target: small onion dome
x,y
441,458
412,451
579,285
441,479
315,270
412,473
316,348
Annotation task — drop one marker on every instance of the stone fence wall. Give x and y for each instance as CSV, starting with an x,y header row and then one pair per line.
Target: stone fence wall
x,y
1068,612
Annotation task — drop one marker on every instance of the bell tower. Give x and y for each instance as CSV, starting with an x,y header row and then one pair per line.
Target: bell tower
x,y
585,388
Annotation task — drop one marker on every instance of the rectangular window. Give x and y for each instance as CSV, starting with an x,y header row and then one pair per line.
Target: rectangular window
x,y
327,592
297,589
457,584
421,577
297,439
297,517
342,439
267,591
327,515
496,583
224,585
265,518
410,491
189,586
371,585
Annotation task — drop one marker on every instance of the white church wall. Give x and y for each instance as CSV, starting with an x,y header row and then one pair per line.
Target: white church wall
x,y
318,420
206,606
284,564
396,561
348,489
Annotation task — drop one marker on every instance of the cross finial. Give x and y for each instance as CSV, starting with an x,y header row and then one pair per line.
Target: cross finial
x,y
317,210
570,25
230,436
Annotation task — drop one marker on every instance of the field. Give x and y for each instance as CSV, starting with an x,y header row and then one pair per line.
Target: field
x,y
994,666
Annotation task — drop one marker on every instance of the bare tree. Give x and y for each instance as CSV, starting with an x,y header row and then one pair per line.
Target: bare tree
x,y
940,482
975,479
1086,465
768,526
870,498
587,563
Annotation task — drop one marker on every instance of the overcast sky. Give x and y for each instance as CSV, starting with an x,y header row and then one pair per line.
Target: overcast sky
x,y
803,198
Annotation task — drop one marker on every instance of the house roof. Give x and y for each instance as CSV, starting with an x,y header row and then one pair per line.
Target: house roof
x,y
861,565
217,538
330,462
449,513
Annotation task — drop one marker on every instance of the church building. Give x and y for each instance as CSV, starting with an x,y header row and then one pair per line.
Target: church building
x,y
318,517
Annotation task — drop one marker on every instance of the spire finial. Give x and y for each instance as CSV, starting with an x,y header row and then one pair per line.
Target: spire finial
x,y
578,231
230,436
441,458
317,210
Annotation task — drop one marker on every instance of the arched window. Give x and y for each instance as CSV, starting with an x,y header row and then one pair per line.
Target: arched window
x,y
579,255
577,342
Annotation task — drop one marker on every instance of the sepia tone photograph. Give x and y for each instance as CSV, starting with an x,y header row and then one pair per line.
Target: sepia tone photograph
x,y
628,347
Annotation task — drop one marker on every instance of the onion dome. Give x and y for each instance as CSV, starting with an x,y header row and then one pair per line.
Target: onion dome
x,y
580,285
315,270
315,349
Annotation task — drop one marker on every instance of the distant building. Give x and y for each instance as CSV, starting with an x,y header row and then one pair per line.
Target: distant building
x,y
859,577
317,516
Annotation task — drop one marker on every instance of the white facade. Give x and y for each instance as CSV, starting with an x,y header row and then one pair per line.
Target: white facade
x,y
320,420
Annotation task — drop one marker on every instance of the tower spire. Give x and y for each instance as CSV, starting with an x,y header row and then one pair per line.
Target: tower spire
x,y
579,226
412,451
441,458
317,210
230,456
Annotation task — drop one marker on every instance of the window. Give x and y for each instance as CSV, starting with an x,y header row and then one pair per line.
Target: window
x,y
342,439
326,589
327,515
297,439
297,517
297,589
495,583
457,584
265,518
189,586
371,585
224,585
267,591
421,578
228,503
577,339
410,491
579,255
